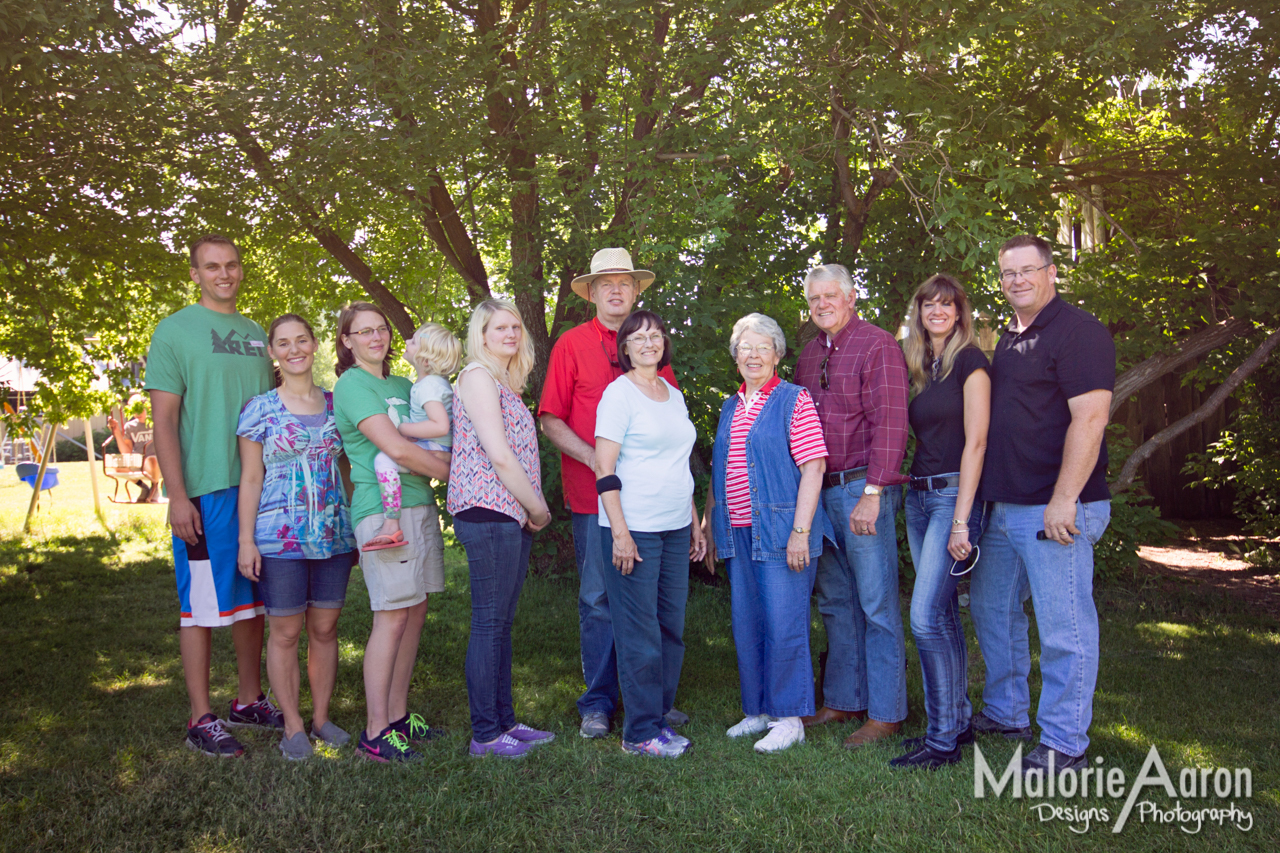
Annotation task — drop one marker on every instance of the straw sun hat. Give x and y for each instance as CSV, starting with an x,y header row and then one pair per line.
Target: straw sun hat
x,y
611,262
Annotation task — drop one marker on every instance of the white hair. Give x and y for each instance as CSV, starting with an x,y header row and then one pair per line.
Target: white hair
x,y
829,272
761,325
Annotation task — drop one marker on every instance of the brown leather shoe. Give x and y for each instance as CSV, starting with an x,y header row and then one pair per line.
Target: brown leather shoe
x,y
831,715
871,731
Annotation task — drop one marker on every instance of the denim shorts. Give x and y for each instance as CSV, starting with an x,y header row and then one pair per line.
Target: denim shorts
x,y
289,586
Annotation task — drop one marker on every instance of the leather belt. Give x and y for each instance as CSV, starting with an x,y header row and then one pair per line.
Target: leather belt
x,y
930,484
839,478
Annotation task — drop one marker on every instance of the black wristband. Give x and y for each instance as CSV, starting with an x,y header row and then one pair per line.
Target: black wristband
x,y
608,484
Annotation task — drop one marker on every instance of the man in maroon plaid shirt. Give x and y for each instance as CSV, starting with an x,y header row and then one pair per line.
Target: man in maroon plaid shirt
x,y
858,379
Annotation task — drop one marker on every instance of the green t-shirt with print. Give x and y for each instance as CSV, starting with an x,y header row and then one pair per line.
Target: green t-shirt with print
x,y
216,362
357,395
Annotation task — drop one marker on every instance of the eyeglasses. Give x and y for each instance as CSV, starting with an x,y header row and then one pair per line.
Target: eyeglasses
x,y
655,338
1012,275
823,381
365,334
765,350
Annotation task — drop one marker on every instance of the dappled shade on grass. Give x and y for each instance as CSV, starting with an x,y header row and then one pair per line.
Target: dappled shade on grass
x,y
92,704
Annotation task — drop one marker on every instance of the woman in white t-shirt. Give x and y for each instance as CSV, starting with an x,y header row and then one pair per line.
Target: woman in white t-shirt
x,y
648,534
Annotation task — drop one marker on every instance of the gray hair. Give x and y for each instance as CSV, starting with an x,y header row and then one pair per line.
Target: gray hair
x,y
761,325
829,272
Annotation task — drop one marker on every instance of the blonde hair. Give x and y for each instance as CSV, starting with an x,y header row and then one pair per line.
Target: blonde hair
x,y
439,351
515,375
918,347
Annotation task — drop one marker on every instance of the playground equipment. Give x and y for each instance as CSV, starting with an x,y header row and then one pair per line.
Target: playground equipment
x,y
28,471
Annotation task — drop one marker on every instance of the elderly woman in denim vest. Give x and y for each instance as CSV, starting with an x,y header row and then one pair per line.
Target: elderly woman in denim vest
x,y
766,480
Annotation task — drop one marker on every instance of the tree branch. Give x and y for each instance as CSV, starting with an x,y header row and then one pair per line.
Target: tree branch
x,y
341,251
1206,340
1216,399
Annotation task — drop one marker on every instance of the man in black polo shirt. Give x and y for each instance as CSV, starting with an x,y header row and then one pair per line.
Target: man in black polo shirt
x,y
1051,380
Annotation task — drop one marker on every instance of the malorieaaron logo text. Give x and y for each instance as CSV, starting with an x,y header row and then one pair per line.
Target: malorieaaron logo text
x,y
1109,783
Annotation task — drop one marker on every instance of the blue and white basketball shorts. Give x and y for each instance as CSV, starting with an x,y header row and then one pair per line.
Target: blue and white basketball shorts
x,y
211,590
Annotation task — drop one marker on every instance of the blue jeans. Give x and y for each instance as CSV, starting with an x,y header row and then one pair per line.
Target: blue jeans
x,y
595,628
771,632
648,625
1059,581
857,591
935,616
498,558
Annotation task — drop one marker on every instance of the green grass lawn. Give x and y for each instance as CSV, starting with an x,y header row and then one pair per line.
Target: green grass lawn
x,y
92,706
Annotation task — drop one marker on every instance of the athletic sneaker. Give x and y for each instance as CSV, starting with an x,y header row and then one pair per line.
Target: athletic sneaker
x,y
660,746
505,746
211,737
676,738
387,747
262,714
595,724
749,725
530,735
415,729
676,718
783,733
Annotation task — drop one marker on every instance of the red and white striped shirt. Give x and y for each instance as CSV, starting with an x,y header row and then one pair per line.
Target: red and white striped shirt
x,y
805,439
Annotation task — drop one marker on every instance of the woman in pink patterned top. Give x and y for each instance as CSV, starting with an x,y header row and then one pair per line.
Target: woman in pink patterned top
x,y
495,497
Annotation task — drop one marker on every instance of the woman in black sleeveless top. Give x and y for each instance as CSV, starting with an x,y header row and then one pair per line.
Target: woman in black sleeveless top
x,y
949,416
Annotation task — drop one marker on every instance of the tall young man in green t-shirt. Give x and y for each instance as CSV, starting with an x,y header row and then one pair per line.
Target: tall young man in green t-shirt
x,y
205,362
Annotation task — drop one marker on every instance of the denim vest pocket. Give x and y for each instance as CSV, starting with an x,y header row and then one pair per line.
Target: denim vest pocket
x,y
775,528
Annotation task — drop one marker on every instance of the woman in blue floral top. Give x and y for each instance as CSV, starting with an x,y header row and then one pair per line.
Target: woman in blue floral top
x,y
296,538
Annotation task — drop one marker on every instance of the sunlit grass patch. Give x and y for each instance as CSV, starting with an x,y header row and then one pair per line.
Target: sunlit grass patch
x,y
93,704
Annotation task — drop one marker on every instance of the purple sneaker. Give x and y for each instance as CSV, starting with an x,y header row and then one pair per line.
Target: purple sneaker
x,y
505,746
531,736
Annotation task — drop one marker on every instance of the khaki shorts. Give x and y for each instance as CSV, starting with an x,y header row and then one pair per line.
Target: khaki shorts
x,y
402,577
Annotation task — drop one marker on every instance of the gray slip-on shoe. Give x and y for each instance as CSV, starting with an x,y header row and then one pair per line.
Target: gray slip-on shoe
x,y
330,734
297,747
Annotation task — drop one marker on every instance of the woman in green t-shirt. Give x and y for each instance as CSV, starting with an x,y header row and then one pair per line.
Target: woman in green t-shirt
x,y
369,402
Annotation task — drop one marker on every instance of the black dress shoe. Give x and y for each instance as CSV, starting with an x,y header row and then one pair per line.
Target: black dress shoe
x,y
1038,759
965,738
984,725
926,758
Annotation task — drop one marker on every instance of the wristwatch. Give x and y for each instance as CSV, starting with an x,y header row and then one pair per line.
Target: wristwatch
x,y
869,489
799,530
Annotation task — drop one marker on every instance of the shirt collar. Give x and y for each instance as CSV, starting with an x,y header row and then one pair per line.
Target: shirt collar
x,y
763,392
1047,313
602,330
843,334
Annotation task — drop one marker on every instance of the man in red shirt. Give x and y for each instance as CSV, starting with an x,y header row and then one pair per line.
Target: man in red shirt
x,y
583,362
858,378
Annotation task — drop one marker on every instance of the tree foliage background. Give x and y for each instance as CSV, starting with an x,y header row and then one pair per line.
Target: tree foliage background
x,y
425,155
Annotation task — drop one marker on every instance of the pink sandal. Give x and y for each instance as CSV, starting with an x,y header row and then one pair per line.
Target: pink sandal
x,y
384,540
